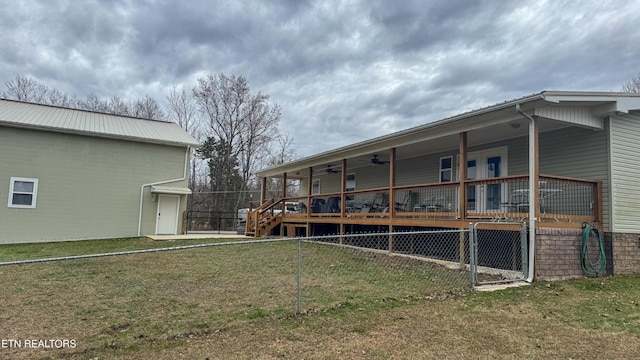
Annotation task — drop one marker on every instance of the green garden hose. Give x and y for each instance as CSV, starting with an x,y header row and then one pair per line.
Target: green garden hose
x,y
590,268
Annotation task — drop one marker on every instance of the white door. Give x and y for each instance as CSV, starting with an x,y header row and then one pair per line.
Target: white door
x,y
167,220
486,164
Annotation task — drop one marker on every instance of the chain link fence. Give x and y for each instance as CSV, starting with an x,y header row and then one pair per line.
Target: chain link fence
x,y
359,269
317,273
498,252
211,221
228,280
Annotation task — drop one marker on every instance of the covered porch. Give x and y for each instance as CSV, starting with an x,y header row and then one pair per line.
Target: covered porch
x,y
539,159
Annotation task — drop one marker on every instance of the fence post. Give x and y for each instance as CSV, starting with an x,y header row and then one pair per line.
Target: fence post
x,y
461,250
523,250
298,276
472,255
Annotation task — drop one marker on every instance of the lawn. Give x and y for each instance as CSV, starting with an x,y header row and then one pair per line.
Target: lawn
x,y
240,302
17,252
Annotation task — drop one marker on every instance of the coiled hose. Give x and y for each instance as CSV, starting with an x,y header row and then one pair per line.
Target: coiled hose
x,y
590,268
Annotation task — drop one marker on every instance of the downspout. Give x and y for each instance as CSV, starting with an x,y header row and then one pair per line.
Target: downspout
x,y
532,199
184,177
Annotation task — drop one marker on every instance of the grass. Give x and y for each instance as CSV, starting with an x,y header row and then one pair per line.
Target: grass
x,y
16,252
239,302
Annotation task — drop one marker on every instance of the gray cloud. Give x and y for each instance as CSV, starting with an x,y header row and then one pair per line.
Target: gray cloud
x,y
342,71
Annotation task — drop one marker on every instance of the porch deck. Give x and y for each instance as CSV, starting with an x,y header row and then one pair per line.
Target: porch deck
x,y
561,203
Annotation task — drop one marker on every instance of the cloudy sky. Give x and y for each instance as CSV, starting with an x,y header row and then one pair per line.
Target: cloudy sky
x,y
342,71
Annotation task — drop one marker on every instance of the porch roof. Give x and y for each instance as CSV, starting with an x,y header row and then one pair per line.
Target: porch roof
x,y
595,105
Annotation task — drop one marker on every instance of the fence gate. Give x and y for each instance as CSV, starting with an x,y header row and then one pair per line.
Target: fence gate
x,y
498,252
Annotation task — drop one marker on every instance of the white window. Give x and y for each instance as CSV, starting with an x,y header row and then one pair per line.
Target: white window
x,y
351,182
23,193
315,187
446,169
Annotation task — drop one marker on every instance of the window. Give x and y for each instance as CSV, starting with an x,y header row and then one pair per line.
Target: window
x,y
23,193
351,182
446,169
315,187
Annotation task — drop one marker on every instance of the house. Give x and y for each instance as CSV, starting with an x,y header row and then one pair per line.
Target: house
x,y
71,174
576,153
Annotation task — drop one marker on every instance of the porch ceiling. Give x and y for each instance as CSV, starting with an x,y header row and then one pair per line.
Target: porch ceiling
x,y
510,128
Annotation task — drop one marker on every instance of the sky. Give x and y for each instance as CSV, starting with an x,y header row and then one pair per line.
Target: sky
x,y
342,71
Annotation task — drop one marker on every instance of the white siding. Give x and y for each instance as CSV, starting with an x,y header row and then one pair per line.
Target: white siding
x,y
625,173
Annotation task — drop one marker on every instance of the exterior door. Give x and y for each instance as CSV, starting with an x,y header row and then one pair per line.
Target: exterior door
x,y
486,164
167,220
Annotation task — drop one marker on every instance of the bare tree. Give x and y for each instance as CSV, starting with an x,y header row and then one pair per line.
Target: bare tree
x,y
240,121
117,106
58,98
632,85
93,103
23,88
257,133
26,89
182,109
147,108
282,151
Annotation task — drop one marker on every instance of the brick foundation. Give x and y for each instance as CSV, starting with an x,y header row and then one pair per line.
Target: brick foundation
x,y
626,253
558,253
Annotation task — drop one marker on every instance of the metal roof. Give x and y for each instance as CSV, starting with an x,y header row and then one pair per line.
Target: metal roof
x,y
170,190
474,119
82,122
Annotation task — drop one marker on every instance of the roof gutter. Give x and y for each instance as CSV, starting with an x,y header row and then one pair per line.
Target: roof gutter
x,y
532,199
184,177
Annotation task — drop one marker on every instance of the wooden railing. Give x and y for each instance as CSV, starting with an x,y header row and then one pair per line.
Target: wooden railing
x,y
264,218
561,199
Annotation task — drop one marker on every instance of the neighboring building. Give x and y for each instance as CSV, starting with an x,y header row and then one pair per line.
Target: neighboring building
x,y
576,151
70,174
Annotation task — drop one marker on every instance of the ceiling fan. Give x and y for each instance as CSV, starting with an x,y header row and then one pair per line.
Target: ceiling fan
x,y
331,170
377,161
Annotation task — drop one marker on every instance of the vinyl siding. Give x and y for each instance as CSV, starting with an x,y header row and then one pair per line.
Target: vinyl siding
x,y
89,187
423,169
579,153
625,172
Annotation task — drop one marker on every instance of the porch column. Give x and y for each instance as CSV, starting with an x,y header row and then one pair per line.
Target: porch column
x,y
462,167
534,189
284,206
263,190
392,194
343,198
462,191
284,186
309,188
597,194
536,169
